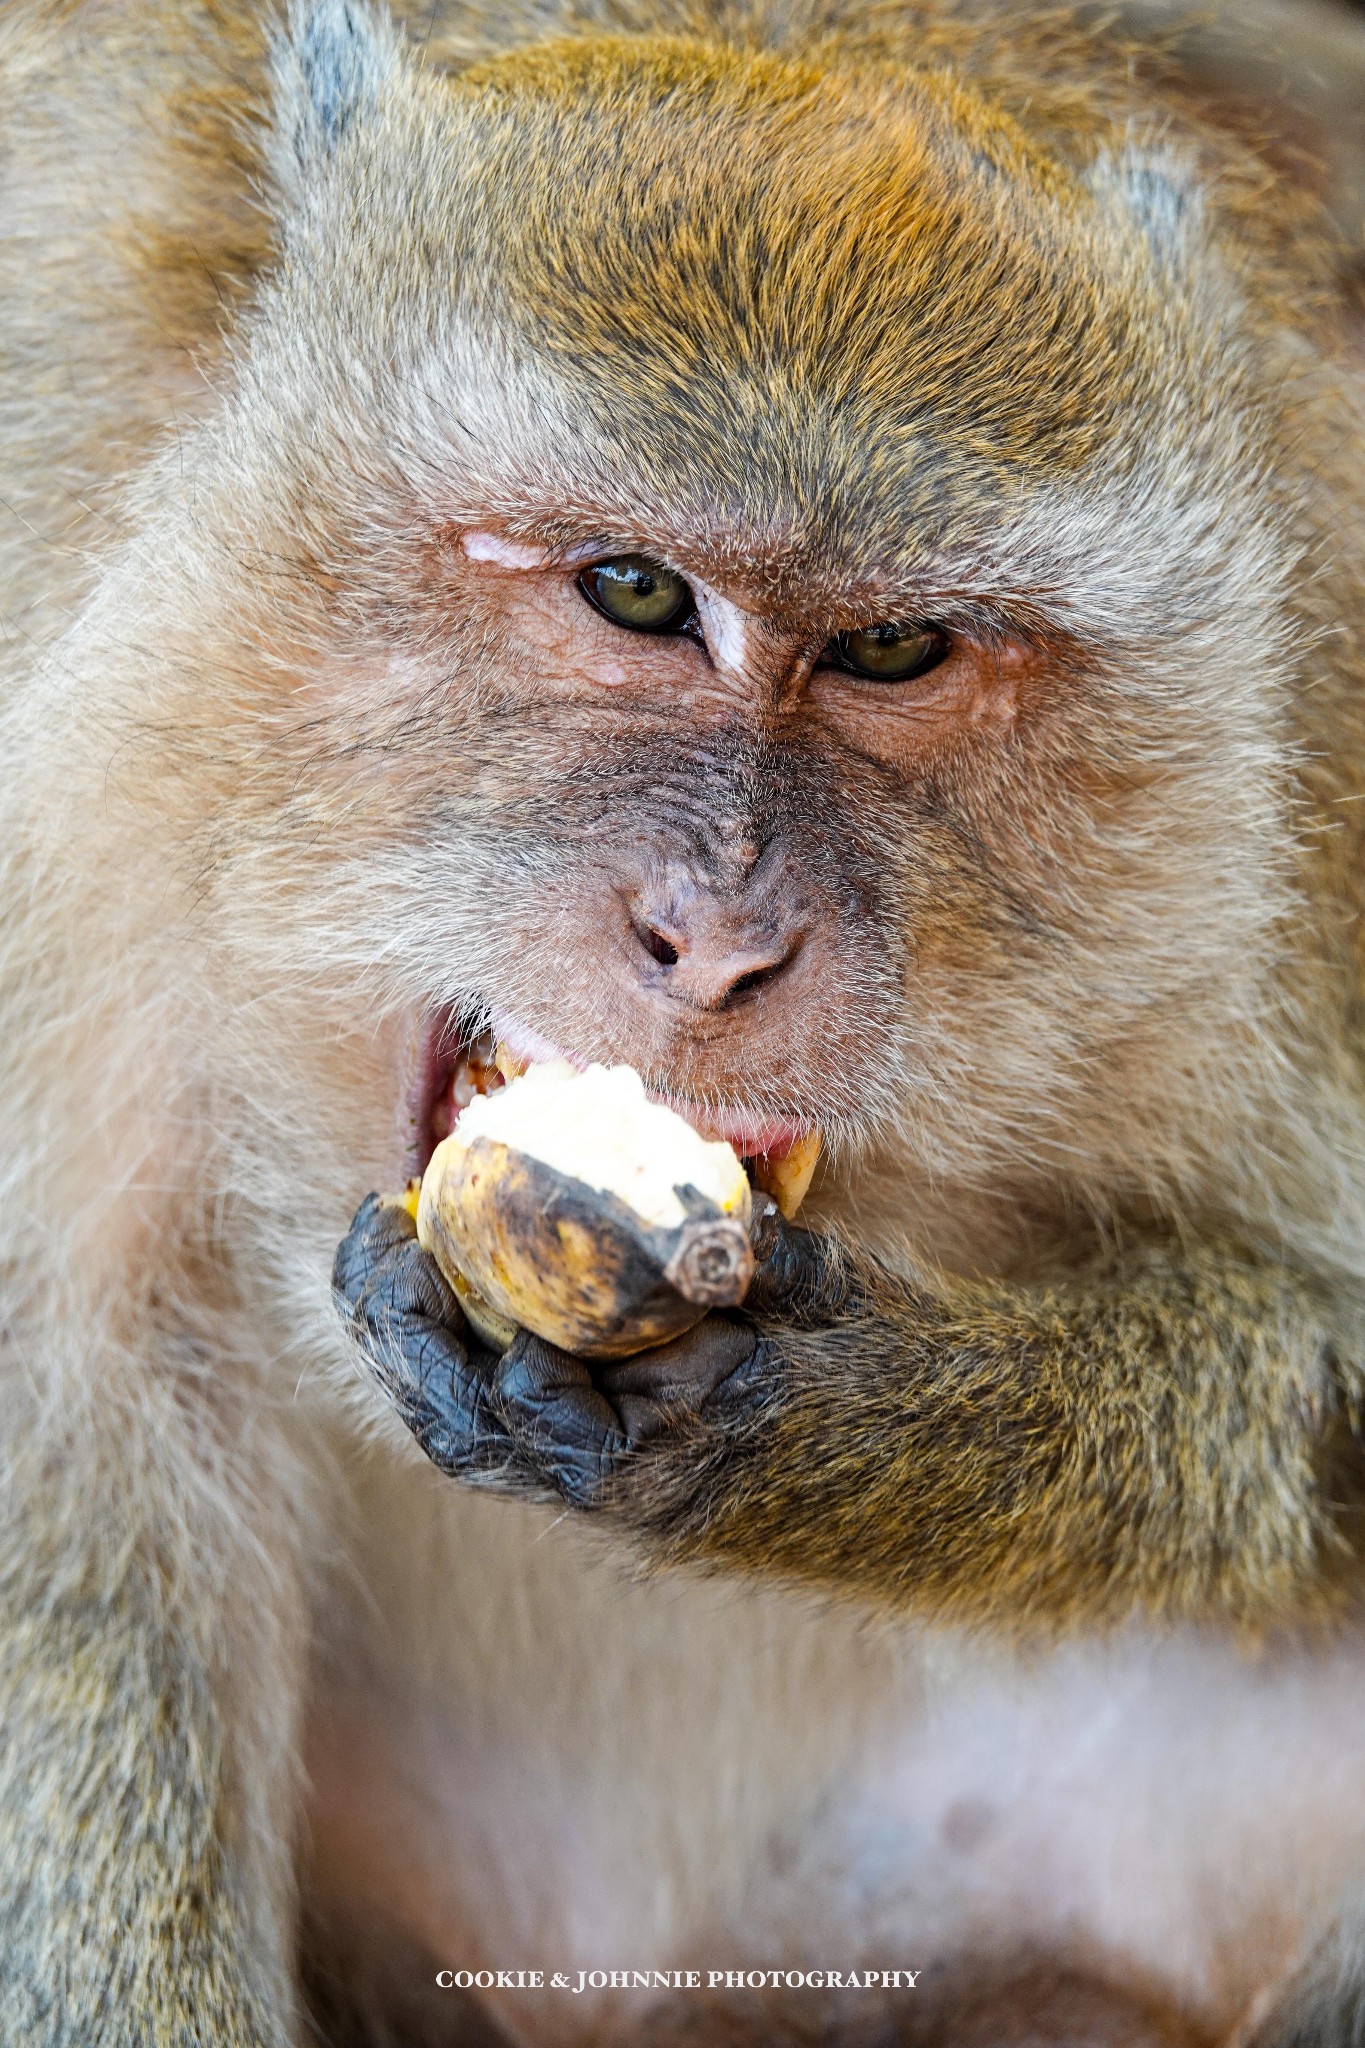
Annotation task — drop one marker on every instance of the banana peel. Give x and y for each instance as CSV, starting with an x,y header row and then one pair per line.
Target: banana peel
x,y
598,1220
567,1204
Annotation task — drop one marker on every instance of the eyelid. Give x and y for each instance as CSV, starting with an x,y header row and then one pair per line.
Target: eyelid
x,y
482,545
594,554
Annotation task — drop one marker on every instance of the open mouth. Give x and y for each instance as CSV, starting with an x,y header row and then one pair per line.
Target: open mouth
x,y
459,1061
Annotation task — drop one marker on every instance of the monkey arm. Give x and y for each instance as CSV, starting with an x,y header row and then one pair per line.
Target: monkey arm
x,y
144,1885
1169,1432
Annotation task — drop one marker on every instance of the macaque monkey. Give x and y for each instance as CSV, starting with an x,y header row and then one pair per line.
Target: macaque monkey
x,y
816,550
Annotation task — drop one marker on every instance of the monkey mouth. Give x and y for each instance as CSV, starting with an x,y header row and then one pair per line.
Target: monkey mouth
x,y
461,1056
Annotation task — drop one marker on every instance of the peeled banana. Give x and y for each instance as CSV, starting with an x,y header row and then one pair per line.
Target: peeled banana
x,y
571,1205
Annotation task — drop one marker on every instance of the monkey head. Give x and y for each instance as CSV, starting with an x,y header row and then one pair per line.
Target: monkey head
x,y
747,566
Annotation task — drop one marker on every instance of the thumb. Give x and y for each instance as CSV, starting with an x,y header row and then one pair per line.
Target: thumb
x,y
798,1273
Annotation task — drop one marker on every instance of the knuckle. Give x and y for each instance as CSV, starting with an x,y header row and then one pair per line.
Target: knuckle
x,y
748,1381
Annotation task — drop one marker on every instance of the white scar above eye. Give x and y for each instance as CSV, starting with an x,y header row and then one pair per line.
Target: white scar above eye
x,y
726,628
506,554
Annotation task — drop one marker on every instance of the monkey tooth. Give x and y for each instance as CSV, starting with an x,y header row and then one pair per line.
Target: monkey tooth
x,y
507,1063
475,1072
787,1176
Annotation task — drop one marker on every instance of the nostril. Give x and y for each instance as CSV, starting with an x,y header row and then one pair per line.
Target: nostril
x,y
654,942
764,970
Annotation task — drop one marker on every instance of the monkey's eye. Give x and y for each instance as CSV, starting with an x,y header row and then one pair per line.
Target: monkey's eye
x,y
889,652
633,591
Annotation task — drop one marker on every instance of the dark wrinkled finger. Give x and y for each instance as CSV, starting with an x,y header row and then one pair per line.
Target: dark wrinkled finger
x,y
560,1421
407,1283
378,1228
438,1377
414,1335
660,1387
443,1390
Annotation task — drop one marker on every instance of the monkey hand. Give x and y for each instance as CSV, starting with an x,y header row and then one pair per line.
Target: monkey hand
x,y
541,1421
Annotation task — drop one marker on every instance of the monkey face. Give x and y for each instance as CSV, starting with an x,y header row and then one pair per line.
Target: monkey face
x,y
709,812
862,376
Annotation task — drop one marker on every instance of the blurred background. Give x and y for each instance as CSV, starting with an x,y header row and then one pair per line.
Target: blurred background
x,y
1291,70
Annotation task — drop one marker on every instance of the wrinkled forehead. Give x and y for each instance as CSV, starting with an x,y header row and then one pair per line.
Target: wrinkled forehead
x,y
772,284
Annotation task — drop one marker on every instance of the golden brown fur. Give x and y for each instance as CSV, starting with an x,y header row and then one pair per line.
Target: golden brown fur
x,y
1080,1007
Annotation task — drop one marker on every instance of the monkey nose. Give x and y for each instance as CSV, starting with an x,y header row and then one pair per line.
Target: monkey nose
x,y
707,959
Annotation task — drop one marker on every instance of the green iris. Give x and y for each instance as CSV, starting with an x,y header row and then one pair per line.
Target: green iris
x,y
889,652
636,592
